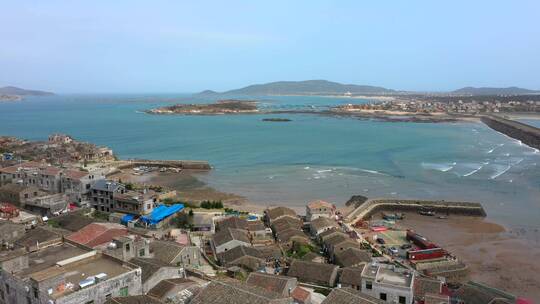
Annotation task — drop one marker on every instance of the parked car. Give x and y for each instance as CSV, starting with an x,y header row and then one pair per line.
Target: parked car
x,y
406,246
394,250
381,241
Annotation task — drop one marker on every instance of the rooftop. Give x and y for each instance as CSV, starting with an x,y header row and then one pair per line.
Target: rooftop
x,y
96,234
68,265
165,251
270,282
236,292
276,212
319,204
230,234
349,296
389,274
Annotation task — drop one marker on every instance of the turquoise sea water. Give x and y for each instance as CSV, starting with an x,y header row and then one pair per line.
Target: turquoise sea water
x,y
311,157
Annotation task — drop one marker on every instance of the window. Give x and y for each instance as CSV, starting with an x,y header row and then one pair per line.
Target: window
x,y
141,252
369,285
382,296
402,300
36,293
2,294
108,296
28,300
124,291
128,248
7,288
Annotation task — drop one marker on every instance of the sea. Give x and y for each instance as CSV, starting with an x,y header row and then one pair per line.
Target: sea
x,y
311,157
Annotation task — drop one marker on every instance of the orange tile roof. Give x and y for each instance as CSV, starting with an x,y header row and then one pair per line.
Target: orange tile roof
x,y
96,234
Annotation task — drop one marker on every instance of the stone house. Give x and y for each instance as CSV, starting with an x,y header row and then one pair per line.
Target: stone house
x,y
282,285
322,224
314,273
17,194
155,271
318,209
176,254
135,202
228,239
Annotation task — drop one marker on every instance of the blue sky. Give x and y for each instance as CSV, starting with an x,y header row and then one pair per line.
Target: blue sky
x,y
181,46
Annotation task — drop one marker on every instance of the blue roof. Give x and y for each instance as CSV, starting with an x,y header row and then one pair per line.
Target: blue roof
x,y
161,212
127,218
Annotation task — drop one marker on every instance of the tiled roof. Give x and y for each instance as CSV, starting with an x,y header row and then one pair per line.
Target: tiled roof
x,y
336,239
473,293
232,222
311,272
276,212
149,266
230,234
286,223
300,294
235,292
134,300
319,204
26,165
73,222
351,276
230,257
352,256
330,233
323,222
97,233
270,282
424,285
349,296
165,251
291,234
75,174
162,288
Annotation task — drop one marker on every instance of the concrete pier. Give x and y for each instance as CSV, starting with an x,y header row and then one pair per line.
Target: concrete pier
x,y
527,134
372,206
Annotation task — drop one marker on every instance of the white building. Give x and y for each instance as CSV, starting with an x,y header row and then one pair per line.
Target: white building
x,y
388,283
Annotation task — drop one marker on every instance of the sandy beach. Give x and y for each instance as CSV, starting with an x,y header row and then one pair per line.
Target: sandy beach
x,y
496,256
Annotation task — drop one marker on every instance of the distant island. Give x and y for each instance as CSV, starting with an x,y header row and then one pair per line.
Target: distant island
x,y
226,106
330,88
494,91
307,87
11,93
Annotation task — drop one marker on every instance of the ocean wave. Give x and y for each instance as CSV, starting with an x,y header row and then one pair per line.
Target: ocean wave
x,y
500,172
490,151
443,167
473,171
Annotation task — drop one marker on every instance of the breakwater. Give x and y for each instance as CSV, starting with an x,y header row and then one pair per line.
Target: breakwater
x,y
527,134
179,164
366,209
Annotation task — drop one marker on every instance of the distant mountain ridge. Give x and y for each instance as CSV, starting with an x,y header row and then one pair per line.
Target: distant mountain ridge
x,y
307,87
494,91
10,90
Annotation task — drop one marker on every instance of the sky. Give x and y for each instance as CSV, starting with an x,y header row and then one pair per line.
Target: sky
x,y
188,46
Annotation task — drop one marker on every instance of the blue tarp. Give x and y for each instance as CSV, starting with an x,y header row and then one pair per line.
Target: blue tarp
x,y
127,218
161,212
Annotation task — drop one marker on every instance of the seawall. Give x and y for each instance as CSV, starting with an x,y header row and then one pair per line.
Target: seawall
x,y
527,134
180,164
372,206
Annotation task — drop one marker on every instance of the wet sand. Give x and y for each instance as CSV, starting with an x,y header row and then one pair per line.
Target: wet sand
x,y
496,256
188,187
